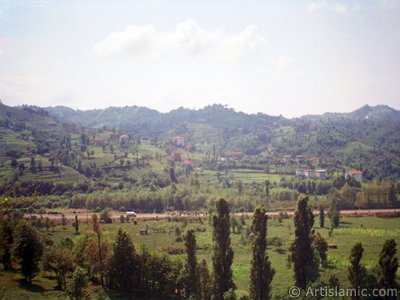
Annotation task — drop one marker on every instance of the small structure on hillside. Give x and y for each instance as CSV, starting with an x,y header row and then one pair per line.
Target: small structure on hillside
x,y
179,141
321,173
357,175
123,138
308,173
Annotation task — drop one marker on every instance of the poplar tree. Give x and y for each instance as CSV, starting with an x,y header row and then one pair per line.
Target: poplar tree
x,y
192,278
204,282
321,217
301,251
356,272
222,257
388,265
261,271
97,230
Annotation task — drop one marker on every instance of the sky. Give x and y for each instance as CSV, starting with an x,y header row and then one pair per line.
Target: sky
x,y
281,57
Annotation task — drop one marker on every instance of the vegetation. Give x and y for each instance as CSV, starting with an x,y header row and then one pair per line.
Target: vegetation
x,y
63,162
222,257
261,271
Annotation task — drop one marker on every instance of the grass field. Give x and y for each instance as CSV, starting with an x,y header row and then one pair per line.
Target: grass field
x,y
245,175
371,231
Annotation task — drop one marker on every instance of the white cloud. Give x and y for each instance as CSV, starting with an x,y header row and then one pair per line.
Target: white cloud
x,y
188,39
327,6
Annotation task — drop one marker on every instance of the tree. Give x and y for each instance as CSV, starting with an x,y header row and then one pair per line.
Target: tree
x,y
222,257
63,220
78,283
192,278
14,163
388,265
301,251
97,230
335,198
123,267
75,224
6,241
356,272
59,259
261,271
28,249
321,217
321,246
204,283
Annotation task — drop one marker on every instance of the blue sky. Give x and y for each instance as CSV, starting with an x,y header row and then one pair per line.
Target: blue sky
x,y
277,57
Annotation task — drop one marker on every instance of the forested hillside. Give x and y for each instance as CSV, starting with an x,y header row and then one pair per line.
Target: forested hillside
x,y
184,159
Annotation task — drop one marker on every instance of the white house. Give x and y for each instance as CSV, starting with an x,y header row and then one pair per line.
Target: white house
x,y
357,175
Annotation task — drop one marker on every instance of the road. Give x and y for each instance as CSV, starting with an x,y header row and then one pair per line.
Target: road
x,y
86,214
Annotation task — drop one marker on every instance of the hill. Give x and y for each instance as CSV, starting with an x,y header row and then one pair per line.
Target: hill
x,y
147,121
366,112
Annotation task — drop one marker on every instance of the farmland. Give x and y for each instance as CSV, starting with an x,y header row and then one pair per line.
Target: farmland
x,y
370,231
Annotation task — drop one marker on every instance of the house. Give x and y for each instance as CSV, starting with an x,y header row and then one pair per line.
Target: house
x,y
287,158
315,160
357,175
185,159
179,141
308,173
321,174
123,137
299,159
233,155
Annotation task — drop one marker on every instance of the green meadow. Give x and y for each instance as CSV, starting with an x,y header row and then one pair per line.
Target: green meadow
x,y
370,231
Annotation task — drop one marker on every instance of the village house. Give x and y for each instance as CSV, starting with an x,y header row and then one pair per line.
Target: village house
x,y
232,155
315,160
185,159
123,137
287,158
299,159
321,174
357,175
179,141
308,173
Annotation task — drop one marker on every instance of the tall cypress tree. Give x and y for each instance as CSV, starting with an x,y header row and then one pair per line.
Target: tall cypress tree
x,y
204,283
301,251
261,271
356,272
321,217
222,257
388,265
192,278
